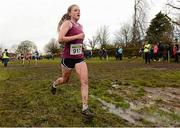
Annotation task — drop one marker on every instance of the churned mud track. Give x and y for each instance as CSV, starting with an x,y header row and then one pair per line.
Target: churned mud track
x,y
159,107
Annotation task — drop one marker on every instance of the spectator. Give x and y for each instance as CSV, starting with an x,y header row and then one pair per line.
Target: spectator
x,y
160,53
155,51
104,54
88,54
165,53
5,57
151,53
28,58
0,55
147,48
100,54
23,59
141,51
120,53
175,53
36,57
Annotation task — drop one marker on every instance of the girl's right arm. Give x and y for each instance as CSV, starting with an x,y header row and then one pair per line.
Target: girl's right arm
x,y
63,31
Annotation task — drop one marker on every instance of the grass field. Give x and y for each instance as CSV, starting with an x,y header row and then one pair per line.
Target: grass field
x,y
127,93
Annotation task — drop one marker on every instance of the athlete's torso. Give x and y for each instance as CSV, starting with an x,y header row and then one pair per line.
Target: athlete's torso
x,y
74,49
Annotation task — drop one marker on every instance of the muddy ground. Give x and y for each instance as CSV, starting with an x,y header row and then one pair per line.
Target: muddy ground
x,y
126,93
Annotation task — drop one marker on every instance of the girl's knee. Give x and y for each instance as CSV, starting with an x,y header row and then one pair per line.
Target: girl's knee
x,y
84,83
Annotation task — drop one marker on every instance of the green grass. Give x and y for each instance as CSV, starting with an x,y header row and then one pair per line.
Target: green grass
x,y
25,98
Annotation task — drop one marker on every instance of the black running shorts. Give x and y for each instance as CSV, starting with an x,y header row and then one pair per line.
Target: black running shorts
x,y
70,63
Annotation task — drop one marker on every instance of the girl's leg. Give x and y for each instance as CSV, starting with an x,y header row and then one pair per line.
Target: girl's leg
x,y
65,76
61,80
82,71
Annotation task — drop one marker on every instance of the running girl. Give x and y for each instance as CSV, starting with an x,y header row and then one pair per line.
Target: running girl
x,y
72,36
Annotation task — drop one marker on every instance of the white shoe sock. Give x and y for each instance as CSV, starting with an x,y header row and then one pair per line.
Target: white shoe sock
x,y
85,107
54,85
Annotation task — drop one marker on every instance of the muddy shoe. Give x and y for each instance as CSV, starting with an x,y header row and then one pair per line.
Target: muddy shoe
x,y
87,113
53,90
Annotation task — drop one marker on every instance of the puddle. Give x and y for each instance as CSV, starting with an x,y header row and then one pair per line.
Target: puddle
x,y
171,96
128,115
165,99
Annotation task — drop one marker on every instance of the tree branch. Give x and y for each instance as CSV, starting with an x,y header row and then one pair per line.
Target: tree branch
x,y
173,6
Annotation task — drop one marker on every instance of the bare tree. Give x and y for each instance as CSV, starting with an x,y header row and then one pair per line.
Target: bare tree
x,y
92,43
124,34
139,20
53,46
26,47
174,7
103,36
176,32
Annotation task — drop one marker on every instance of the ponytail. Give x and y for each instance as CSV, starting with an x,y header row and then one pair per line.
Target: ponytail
x,y
64,18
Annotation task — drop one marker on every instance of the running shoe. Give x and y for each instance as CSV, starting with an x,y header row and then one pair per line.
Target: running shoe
x,y
53,90
88,113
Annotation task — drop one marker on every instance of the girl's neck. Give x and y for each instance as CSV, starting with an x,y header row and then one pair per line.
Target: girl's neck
x,y
74,21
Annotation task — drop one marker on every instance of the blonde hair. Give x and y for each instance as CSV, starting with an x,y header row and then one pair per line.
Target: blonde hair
x,y
65,16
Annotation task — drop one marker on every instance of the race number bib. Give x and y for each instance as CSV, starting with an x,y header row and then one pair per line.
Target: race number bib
x,y
76,49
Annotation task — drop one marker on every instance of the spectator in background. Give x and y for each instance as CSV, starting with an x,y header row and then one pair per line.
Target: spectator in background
x,y
120,53
28,58
88,54
0,55
147,48
155,51
178,53
23,59
165,53
141,51
175,53
100,54
105,54
91,53
151,53
5,57
116,53
160,53
36,57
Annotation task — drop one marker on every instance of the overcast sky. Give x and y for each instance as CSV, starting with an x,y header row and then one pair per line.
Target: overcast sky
x,y
36,20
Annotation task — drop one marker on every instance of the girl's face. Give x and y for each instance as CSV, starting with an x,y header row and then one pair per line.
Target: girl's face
x,y
75,13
